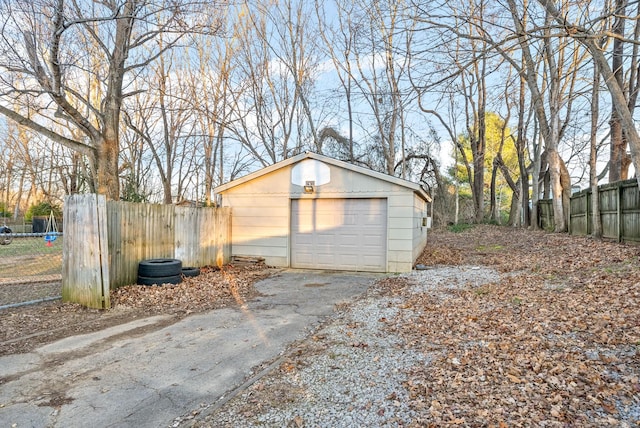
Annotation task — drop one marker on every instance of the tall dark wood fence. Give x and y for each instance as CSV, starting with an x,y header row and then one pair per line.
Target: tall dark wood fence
x,y
619,211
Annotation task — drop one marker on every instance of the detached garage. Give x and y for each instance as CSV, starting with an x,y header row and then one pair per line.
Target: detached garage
x,y
314,212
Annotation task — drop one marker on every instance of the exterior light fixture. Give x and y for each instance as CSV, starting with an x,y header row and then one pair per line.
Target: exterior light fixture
x,y
309,186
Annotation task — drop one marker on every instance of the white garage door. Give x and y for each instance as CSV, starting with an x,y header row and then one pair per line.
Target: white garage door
x,y
340,234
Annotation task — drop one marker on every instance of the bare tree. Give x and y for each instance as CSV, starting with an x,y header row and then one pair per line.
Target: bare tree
x,y
590,39
212,75
593,155
467,68
264,102
381,67
339,44
562,61
619,160
55,51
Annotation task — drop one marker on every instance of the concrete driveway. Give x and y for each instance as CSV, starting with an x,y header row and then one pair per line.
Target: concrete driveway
x,y
147,373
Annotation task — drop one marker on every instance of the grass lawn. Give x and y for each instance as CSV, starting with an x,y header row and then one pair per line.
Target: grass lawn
x,y
29,257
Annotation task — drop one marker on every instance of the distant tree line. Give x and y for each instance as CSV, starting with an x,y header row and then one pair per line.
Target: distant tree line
x,y
157,100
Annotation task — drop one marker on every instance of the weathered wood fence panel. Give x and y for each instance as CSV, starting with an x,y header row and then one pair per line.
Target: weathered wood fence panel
x,y
137,232
619,211
105,241
202,236
630,212
85,267
545,214
197,236
579,217
609,203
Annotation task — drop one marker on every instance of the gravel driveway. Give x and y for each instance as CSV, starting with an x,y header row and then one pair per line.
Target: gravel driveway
x,y
351,372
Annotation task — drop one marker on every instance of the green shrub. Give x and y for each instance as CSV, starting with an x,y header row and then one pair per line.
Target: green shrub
x,y
43,209
460,227
4,210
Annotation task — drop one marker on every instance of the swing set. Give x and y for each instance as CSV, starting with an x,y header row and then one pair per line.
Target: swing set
x,y
51,232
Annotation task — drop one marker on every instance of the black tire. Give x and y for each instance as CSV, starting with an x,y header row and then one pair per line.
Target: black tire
x,y
159,280
5,235
190,271
154,268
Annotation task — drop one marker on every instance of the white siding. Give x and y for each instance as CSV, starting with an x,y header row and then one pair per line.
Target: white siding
x,y
260,227
261,214
419,231
400,232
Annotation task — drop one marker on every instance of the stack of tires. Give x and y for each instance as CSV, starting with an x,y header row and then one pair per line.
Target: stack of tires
x,y
5,235
159,271
163,271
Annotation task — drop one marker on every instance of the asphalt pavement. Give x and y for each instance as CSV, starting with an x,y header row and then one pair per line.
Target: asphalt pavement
x,y
151,372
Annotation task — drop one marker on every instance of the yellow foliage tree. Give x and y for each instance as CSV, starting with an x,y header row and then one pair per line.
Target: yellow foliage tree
x,y
500,156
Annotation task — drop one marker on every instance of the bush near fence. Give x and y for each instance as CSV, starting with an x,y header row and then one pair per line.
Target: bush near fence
x,y
105,241
619,211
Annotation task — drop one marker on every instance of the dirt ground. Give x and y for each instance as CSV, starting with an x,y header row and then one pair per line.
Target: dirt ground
x,y
579,263
28,327
560,331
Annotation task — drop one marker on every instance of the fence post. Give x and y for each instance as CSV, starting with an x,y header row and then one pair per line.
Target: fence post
x,y
85,259
568,217
589,198
619,210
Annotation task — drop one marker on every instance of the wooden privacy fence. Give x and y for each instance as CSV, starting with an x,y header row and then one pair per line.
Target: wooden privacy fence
x,y
545,214
619,211
129,233
85,257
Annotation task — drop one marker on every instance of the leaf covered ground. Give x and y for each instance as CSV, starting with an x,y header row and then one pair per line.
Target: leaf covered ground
x,y
554,342
517,328
25,328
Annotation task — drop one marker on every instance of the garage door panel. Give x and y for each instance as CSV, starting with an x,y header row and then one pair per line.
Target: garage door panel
x,y
325,239
370,220
305,258
372,240
348,249
347,238
350,220
343,234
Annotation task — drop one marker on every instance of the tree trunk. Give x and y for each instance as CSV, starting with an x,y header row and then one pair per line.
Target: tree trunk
x,y
618,148
521,151
596,230
618,98
516,217
535,178
106,162
618,142
556,188
494,208
565,183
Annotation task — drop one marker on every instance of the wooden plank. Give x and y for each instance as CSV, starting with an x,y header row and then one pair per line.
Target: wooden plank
x,y
103,252
84,263
187,236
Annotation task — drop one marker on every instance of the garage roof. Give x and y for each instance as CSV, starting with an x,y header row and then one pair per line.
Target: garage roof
x,y
310,155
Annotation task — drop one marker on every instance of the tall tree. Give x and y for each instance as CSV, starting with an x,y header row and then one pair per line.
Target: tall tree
x,y
339,38
47,80
590,37
593,156
624,53
381,68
